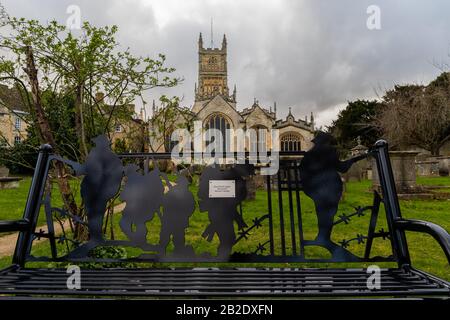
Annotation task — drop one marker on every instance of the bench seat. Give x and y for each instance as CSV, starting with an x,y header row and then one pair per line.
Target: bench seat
x,y
215,282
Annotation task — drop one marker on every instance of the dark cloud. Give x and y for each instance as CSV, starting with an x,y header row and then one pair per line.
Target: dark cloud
x,y
311,55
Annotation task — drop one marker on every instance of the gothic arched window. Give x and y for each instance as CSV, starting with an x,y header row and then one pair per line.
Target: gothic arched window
x,y
258,139
219,122
290,142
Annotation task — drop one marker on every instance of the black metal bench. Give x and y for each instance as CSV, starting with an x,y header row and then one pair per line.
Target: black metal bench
x,y
268,256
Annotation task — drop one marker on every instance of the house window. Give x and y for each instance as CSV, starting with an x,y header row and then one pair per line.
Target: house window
x,y
118,128
17,139
217,121
18,123
290,142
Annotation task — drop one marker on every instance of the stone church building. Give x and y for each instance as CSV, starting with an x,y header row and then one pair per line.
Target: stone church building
x,y
216,107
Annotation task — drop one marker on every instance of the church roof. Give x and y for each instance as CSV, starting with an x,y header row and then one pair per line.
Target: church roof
x,y
184,111
290,121
205,105
11,99
255,106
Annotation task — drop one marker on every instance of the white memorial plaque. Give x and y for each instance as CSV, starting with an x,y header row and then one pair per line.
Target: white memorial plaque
x,y
222,188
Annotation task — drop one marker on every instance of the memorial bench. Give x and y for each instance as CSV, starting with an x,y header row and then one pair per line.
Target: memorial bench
x,y
266,266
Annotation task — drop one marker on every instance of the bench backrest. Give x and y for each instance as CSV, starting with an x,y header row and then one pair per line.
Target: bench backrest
x,y
221,213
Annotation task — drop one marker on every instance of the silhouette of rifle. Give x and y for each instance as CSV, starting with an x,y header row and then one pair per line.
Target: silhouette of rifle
x,y
344,166
79,168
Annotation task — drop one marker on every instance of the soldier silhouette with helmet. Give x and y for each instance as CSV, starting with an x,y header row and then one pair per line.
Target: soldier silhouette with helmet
x,y
223,212
103,172
143,196
178,206
319,174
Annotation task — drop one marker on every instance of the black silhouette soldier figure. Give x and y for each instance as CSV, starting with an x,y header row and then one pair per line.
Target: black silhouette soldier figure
x,y
178,206
103,172
223,212
143,195
319,173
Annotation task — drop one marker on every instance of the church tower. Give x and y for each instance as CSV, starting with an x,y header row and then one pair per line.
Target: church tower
x,y
212,72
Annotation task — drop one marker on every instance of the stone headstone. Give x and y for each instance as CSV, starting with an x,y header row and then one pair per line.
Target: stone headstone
x,y
444,166
359,148
358,170
404,169
369,174
9,182
4,172
427,167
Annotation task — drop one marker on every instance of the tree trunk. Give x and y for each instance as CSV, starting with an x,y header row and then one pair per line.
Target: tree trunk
x,y
46,133
434,149
79,121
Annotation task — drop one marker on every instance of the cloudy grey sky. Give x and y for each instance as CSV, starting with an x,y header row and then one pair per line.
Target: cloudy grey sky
x,y
309,55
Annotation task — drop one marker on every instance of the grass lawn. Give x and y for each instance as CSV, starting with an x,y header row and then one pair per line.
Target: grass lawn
x,y
434,181
12,201
426,253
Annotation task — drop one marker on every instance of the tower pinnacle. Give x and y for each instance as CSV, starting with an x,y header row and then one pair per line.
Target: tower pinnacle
x,y
212,34
200,41
224,42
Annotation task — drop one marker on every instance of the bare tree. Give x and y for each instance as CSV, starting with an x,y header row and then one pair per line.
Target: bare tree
x,y
417,115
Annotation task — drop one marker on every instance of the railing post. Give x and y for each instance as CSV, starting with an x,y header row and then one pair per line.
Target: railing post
x,y
33,205
390,201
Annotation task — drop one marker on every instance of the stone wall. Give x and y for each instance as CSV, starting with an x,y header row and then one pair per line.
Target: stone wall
x,y
428,167
7,126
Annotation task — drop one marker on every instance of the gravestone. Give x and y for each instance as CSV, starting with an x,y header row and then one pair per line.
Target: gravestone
x,y
444,166
427,167
4,172
358,171
7,182
404,169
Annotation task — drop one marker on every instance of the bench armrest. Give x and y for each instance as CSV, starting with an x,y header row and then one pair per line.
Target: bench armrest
x,y
14,225
437,232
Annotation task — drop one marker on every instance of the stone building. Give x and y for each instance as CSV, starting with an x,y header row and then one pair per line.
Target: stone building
x,y
128,131
132,133
13,113
130,128
216,107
